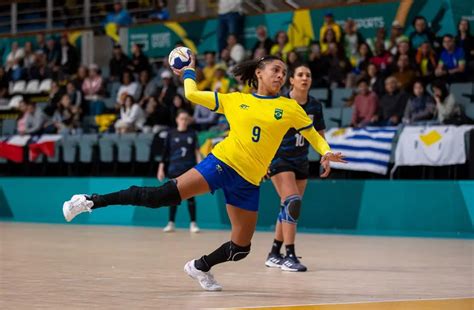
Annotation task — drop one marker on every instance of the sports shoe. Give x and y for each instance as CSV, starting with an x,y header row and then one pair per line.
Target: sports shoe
x,y
77,205
292,263
194,228
274,260
205,279
170,227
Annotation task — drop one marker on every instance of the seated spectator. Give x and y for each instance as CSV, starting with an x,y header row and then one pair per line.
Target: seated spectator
x,y
426,61
421,33
168,90
237,51
74,94
160,12
29,57
116,19
447,110
318,65
226,61
352,39
391,105
204,118
40,43
329,23
365,105
52,54
259,53
16,72
403,48
118,64
465,40
359,63
292,59
339,66
220,82
39,70
158,116
376,80
32,119
282,45
404,74
452,62
128,87
146,88
80,77
420,106
329,37
66,118
139,60
208,71
382,59
380,37
132,116
69,59
93,84
179,103
3,84
54,97
16,53
396,35
263,41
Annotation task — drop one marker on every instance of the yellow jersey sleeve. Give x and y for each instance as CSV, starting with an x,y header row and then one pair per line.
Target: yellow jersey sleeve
x,y
214,101
304,125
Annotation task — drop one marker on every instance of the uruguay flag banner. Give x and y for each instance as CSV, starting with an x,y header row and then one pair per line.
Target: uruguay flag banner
x,y
432,146
365,149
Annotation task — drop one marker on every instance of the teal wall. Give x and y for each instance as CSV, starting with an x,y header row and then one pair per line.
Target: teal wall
x,y
426,208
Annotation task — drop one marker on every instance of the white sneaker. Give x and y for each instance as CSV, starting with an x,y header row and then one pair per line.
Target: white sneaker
x,y
77,205
194,228
205,279
170,227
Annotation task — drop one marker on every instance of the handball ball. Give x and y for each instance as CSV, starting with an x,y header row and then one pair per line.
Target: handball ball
x,y
180,57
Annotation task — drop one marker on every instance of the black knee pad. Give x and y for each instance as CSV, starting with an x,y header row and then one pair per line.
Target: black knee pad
x,y
291,209
152,197
235,252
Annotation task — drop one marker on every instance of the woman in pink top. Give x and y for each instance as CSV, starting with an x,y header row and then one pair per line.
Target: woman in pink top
x,y
365,105
92,85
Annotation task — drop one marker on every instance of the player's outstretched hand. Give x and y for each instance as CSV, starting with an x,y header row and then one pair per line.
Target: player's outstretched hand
x,y
192,65
326,159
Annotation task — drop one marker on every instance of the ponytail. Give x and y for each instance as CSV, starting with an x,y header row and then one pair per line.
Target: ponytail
x,y
246,70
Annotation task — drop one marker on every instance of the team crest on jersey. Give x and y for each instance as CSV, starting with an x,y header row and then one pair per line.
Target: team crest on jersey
x,y
244,106
278,114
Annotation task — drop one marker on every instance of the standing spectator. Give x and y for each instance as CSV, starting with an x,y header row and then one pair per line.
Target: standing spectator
x,y
329,23
404,74
158,116
237,51
160,12
452,62
139,59
92,86
465,40
32,120
263,41
116,19
421,33
69,59
128,87
208,70
420,106
426,61
16,53
118,64
168,90
447,110
365,105
29,57
230,20
352,38
146,88
391,105
282,45
376,80
329,37
132,116
318,65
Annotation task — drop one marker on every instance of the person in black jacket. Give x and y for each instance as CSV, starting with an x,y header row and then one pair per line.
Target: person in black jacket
x,y
118,64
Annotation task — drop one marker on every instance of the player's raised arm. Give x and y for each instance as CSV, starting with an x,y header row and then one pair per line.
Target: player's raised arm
x,y
207,99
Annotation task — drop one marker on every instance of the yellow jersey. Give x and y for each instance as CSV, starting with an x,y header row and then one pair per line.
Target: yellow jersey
x,y
257,127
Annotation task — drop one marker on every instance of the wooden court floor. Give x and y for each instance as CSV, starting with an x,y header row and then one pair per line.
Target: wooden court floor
x,y
109,267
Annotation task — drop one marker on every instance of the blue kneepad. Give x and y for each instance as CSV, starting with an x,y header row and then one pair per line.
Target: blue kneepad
x,y
290,210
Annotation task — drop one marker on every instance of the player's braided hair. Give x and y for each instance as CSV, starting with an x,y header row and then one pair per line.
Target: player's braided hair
x,y
246,69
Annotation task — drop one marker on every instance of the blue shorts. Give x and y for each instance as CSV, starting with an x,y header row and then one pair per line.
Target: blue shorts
x,y
237,191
